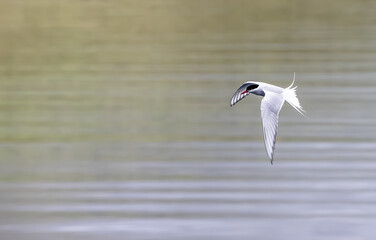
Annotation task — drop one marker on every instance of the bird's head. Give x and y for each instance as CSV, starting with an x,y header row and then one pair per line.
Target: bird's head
x,y
249,87
245,90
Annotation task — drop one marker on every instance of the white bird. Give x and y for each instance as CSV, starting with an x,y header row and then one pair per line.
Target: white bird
x,y
271,104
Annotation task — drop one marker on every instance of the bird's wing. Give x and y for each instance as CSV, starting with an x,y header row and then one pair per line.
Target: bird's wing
x,y
240,94
271,104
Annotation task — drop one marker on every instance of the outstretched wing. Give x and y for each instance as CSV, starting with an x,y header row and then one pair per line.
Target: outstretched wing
x,y
242,93
271,104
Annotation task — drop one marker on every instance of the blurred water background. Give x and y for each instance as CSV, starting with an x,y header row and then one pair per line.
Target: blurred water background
x,y
115,120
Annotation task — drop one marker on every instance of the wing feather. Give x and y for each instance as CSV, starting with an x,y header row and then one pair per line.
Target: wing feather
x,y
271,105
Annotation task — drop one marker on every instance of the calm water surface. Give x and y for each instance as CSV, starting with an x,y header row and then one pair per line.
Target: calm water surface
x,y
115,120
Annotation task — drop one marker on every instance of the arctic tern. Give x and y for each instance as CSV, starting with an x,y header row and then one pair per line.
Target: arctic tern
x,y
271,104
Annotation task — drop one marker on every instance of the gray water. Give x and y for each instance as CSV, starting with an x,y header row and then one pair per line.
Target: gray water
x,y
115,120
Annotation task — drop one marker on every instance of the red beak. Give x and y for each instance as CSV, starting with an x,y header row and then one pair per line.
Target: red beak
x,y
244,92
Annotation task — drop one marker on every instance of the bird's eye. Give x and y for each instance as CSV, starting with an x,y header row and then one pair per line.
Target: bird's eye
x,y
253,86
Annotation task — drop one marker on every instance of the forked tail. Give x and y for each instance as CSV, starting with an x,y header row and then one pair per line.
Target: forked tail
x,y
289,94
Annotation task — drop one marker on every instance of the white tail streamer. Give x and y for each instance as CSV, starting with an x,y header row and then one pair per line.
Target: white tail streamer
x,y
289,94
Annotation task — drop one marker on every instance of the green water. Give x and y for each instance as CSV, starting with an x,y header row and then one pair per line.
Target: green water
x,y
115,120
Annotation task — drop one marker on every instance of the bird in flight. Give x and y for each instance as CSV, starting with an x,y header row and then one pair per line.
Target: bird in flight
x,y
271,104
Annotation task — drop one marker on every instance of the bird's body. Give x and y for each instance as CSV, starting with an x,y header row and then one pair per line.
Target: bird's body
x,y
271,104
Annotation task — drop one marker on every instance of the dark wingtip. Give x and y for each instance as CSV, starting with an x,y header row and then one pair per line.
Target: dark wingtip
x,y
232,103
